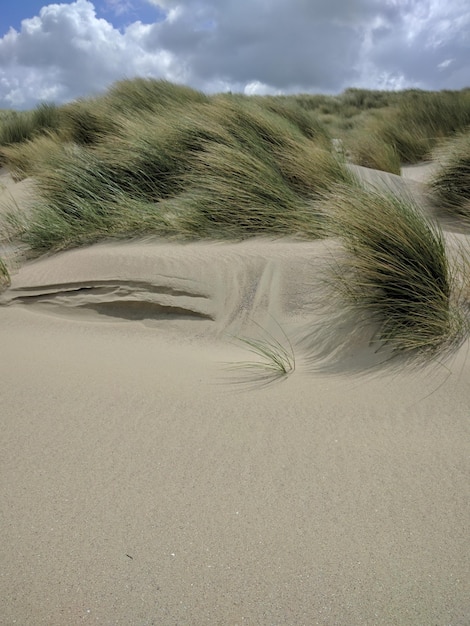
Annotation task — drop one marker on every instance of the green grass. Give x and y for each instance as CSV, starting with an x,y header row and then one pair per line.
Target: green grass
x,y
19,126
151,157
451,183
28,158
417,121
86,122
147,94
370,150
220,168
273,357
396,271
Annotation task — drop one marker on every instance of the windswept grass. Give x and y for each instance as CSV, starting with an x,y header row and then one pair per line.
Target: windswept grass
x,y
80,203
28,158
86,122
16,127
147,94
274,357
415,124
4,276
370,150
306,121
396,271
451,183
224,168
232,193
19,126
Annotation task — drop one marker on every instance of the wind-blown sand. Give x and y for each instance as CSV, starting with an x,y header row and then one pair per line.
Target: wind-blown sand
x,y
144,482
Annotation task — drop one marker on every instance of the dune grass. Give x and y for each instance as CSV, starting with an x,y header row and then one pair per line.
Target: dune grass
x,y
151,157
86,122
396,271
147,94
19,126
274,357
451,183
370,150
81,202
29,157
412,126
4,276
223,167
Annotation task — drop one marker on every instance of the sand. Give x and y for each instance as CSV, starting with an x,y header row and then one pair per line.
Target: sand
x,y
145,482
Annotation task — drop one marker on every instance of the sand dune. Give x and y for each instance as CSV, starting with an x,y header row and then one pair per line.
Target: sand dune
x,y
145,482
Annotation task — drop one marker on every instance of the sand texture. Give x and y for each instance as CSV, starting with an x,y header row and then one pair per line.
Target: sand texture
x,y
146,482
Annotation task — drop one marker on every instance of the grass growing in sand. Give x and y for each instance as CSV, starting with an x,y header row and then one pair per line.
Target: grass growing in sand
x,y
151,157
274,357
451,183
4,275
396,271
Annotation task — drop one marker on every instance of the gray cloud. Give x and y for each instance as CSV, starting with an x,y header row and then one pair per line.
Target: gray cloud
x,y
256,46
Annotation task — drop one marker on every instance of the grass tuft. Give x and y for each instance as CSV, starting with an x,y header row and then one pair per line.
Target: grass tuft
x,y
147,94
451,182
4,276
396,270
277,358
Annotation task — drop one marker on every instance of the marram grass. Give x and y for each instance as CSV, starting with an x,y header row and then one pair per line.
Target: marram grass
x,y
273,357
4,276
451,183
396,271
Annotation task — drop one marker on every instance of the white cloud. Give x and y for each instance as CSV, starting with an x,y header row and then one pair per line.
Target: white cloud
x,y
253,46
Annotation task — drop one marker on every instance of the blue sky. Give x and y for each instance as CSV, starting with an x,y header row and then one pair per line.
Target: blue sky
x,y
120,13
74,48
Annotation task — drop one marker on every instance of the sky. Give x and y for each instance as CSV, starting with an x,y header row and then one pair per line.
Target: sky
x,y
56,52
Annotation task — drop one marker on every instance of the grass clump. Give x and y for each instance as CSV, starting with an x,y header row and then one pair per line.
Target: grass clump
x,y
86,122
232,193
275,358
147,94
227,168
29,157
451,183
370,150
19,126
418,121
303,119
396,271
4,276
79,202
16,127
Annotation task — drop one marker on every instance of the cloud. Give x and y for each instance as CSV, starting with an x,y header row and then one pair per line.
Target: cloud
x,y
255,46
67,51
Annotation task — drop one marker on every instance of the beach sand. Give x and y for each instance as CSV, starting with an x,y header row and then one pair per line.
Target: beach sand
x,y
144,481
